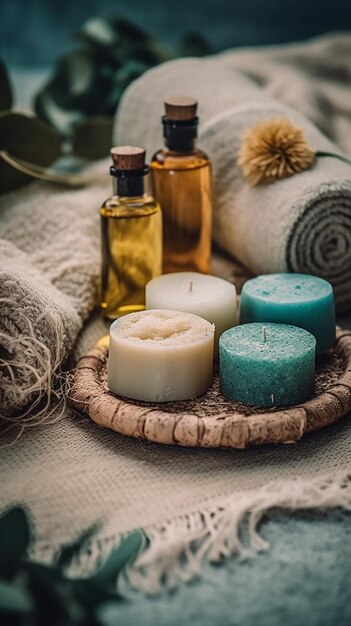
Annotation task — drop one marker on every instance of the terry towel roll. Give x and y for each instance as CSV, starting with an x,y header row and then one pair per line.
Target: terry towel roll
x,y
299,224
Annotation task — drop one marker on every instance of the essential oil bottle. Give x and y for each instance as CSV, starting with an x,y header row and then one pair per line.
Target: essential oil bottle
x,y
182,184
131,235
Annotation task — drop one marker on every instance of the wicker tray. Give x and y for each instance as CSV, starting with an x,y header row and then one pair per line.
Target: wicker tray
x,y
212,421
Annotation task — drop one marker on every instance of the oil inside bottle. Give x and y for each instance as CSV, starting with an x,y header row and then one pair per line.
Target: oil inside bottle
x,y
182,183
131,243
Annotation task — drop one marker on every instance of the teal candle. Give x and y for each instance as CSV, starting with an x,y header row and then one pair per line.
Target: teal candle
x,y
267,365
297,299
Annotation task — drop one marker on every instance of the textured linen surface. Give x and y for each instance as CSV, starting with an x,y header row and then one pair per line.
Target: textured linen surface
x,y
71,473
302,223
49,272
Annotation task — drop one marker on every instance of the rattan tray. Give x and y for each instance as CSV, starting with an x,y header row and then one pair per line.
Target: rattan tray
x,y
212,421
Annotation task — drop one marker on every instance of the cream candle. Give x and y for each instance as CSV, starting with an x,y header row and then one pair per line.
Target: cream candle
x,y
212,298
160,356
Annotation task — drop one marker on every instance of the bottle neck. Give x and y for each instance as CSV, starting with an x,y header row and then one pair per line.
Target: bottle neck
x,y
128,183
180,136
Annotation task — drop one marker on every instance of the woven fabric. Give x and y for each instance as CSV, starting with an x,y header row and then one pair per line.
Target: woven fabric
x,y
49,273
71,474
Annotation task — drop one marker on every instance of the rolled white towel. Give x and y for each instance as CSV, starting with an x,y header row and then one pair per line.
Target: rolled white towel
x,y
299,224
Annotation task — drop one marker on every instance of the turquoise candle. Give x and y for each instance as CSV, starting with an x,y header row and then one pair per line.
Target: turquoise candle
x,y
267,365
297,299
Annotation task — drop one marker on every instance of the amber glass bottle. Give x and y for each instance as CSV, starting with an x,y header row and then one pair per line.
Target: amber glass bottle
x,y
131,236
182,184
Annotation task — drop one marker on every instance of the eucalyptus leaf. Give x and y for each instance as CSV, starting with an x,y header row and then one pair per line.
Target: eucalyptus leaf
x,y
78,89
69,600
51,593
57,116
194,45
14,600
92,138
98,30
67,553
80,73
90,80
35,594
91,596
27,138
129,71
14,539
71,93
5,89
113,31
125,552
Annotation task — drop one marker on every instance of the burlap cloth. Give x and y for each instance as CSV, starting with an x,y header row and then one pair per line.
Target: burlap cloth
x,y
68,472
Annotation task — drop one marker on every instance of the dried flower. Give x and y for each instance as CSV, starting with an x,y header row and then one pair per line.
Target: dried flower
x,y
274,149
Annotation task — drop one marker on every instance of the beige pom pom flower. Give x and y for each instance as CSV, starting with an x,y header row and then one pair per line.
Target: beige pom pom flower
x,y
274,149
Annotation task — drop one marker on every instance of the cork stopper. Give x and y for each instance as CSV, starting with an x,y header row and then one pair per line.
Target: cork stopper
x,y
128,157
180,108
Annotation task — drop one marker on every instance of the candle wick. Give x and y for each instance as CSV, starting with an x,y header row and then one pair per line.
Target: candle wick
x,y
191,285
273,398
264,333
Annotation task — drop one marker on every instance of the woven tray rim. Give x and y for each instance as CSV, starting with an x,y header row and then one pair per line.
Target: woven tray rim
x,y
89,397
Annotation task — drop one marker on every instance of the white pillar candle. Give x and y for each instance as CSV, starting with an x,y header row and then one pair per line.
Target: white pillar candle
x,y
160,356
212,298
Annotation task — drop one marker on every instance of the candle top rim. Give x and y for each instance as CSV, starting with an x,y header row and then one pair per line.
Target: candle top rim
x,y
282,341
172,276
162,328
289,288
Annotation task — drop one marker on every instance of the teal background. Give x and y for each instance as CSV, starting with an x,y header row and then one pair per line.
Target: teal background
x,y
36,32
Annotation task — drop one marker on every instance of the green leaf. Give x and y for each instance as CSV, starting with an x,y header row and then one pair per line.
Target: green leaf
x,y
125,552
71,91
47,107
29,139
90,80
51,593
112,32
68,599
194,45
5,89
78,89
98,30
67,553
14,538
14,600
92,139
90,596
129,71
